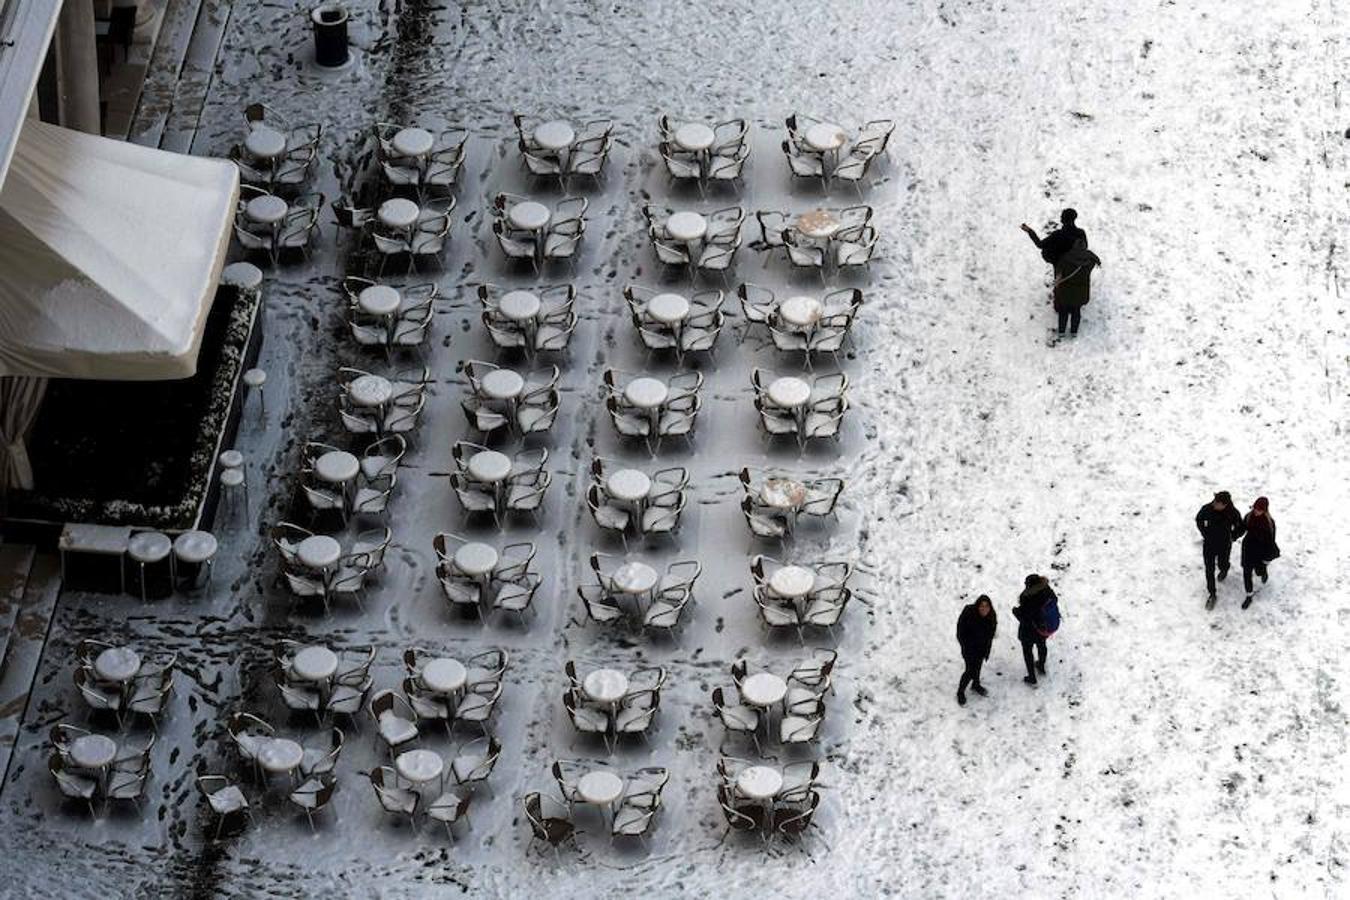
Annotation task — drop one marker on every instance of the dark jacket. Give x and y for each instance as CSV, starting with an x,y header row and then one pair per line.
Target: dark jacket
x,y
1258,545
1219,529
1028,609
976,632
1073,277
1059,242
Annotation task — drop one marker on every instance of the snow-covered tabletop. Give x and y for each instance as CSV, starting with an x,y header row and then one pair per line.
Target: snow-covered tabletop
x,y
555,135
782,493
266,210
502,384
668,309
634,578
117,664
792,581
763,689
529,215
413,142
337,467
694,136
686,226
318,551
789,391
630,485
93,751
801,311
398,213
149,547
195,546
605,685
646,393
600,788
759,782
476,558
379,300
519,306
314,663
419,766
264,142
278,755
370,390
825,137
819,223
489,466
444,675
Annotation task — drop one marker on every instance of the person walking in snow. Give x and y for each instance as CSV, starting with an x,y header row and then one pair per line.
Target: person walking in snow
x,y
1066,249
1258,545
975,629
1036,607
1220,525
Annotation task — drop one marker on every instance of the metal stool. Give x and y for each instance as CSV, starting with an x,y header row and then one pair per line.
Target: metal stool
x,y
231,459
149,547
195,548
254,379
231,481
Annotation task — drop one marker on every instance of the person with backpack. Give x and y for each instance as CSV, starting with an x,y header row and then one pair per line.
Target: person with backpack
x,y
975,629
1220,525
1066,249
1258,545
1037,613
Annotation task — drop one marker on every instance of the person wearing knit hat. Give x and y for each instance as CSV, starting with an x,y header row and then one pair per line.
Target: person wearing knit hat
x,y
1220,525
1258,545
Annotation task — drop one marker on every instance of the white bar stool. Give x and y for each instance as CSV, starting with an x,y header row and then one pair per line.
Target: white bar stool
x,y
148,548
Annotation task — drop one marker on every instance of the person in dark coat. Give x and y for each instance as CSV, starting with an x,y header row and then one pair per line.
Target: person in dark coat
x,y
975,629
1036,594
1066,248
1258,545
1220,525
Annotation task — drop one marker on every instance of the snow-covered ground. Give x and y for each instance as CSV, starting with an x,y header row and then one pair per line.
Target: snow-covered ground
x,y
1170,752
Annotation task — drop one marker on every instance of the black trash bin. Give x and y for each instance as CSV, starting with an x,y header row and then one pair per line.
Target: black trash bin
x,y
330,34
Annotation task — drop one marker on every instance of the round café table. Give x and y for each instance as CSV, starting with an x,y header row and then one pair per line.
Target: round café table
x,y
694,136
600,788
314,663
801,311
417,767
668,309
266,210
337,467
818,224
117,664
502,384
646,393
628,485
519,306
529,215
489,466
763,690
789,392
370,390
93,751
792,582
686,226
634,578
413,142
379,300
607,686
263,142
279,755
243,275
825,137
319,551
555,135
476,559
444,676
398,213
759,782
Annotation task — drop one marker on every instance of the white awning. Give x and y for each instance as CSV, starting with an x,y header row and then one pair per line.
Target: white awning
x,y
109,256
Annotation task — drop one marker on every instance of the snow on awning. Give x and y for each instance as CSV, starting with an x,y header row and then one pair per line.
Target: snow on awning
x,y
109,256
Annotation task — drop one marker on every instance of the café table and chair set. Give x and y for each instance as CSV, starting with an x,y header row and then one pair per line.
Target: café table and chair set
x,y
478,576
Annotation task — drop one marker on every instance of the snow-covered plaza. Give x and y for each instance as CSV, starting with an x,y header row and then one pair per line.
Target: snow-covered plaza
x,y
1169,750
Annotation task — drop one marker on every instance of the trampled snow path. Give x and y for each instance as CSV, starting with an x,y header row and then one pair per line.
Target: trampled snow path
x,y
1170,751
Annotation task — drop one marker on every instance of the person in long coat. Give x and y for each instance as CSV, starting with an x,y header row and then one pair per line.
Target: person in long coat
x,y
975,629
1220,524
1030,603
1258,545
1066,248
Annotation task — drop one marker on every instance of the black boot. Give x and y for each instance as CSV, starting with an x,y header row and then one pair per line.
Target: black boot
x,y
1040,666
961,697
1248,602
1223,573
1209,604
1030,679
979,689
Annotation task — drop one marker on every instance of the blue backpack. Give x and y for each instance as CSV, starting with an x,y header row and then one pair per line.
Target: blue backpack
x,y
1048,623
